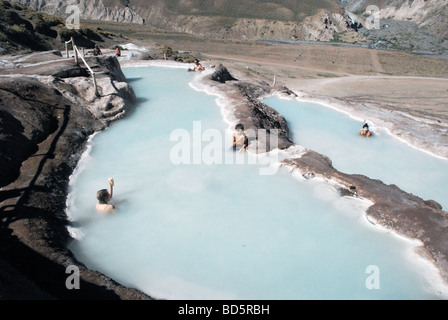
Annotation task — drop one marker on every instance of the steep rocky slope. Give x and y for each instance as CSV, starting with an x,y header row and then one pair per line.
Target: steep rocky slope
x,y
412,25
291,20
89,9
23,29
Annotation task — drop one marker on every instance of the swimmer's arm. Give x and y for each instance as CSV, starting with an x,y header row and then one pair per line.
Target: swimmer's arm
x,y
111,190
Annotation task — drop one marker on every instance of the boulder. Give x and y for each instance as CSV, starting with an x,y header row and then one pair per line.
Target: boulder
x,y
221,74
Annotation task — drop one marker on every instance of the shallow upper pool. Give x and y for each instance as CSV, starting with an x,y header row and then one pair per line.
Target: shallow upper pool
x,y
223,231
381,156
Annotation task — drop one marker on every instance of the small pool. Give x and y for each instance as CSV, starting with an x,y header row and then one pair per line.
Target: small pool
x,y
224,231
381,156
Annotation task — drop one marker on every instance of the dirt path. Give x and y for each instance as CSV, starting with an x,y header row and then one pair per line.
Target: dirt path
x,y
376,62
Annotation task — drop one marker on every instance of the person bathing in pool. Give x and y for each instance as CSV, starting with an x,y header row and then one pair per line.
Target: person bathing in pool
x,y
240,140
104,197
365,130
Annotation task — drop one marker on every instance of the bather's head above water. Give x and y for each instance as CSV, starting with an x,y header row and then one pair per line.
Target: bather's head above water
x,y
239,127
103,196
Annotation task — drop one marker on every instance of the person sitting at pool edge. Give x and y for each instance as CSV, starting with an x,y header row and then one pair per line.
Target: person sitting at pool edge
x,y
104,197
197,66
97,50
117,51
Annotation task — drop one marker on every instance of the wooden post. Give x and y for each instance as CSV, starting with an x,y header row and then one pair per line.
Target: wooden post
x,y
76,51
94,85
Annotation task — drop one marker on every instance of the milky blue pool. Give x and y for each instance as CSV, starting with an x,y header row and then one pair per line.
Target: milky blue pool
x,y
223,231
381,156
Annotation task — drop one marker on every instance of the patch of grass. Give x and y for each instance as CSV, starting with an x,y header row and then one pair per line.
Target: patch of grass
x,y
19,34
22,28
327,75
185,57
396,63
43,23
3,37
83,34
90,34
167,51
18,30
45,19
66,34
11,17
336,38
176,55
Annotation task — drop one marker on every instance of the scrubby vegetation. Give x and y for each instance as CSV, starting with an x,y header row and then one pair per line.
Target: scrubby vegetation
x,y
168,52
17,32
43,23
23,29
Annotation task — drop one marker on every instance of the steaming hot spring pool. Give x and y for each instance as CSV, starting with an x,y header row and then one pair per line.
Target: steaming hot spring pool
x,y
225,231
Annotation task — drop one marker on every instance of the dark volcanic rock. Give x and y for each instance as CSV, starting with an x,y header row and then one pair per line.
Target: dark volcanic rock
x,y
70,72
256,115
221,74
45,123
265,128
28,115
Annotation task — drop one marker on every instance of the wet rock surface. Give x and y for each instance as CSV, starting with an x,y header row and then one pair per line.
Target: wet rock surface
x,y
393,208
221,74
252,113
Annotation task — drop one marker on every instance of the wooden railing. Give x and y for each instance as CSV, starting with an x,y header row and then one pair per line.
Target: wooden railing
x,y
77,55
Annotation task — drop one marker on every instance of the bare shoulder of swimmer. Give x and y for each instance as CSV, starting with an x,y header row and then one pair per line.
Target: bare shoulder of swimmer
x,y
101,207
103,197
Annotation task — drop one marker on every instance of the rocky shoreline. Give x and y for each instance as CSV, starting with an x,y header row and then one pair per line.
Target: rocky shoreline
x,y
393,209
56,111
48,110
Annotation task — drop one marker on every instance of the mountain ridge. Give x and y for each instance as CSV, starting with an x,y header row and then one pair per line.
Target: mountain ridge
x,y
407,25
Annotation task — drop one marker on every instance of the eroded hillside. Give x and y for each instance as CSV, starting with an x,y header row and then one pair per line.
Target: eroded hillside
x,y
410,25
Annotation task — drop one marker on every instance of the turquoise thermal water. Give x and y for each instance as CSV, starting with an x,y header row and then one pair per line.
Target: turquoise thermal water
x,y
224,231
381,156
